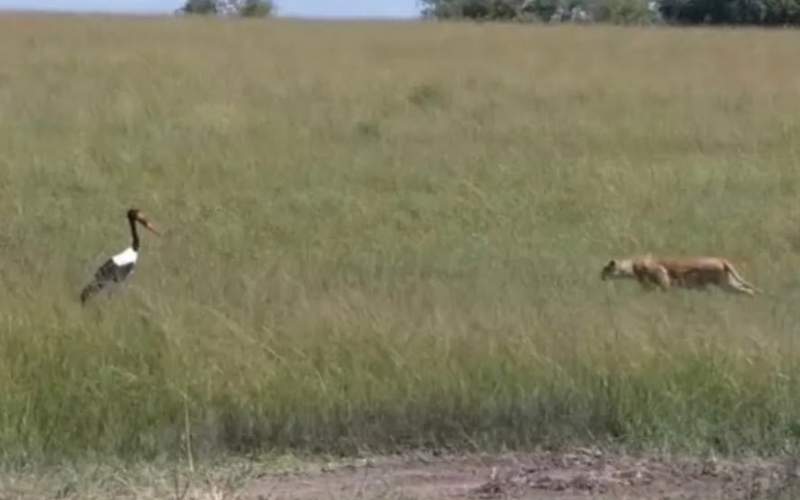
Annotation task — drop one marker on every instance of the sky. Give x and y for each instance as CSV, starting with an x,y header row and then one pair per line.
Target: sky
x,y
294,8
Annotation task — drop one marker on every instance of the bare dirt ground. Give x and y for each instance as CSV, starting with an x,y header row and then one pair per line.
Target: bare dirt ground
x,y
577,474
580,474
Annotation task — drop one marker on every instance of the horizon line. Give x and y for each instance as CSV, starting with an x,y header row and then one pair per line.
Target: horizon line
x,y
167,13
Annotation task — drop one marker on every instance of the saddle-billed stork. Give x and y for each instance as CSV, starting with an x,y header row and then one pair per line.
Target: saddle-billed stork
x,y
120,266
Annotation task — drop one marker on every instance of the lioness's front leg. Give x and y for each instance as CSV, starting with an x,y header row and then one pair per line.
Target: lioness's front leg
x,y
661,277
650,276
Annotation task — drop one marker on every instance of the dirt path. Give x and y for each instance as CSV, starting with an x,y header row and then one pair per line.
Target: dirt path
x,y
578,475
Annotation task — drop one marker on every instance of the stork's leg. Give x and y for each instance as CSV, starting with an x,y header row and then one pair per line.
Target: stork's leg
x,y
92,289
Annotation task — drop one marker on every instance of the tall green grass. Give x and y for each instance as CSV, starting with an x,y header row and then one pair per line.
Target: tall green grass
x,y
382,236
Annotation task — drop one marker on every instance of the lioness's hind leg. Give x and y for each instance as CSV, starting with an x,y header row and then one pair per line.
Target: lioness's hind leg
x,y
736,281
734,285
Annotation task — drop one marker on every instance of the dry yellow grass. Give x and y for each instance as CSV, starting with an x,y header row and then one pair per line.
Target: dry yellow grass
x,y
390,235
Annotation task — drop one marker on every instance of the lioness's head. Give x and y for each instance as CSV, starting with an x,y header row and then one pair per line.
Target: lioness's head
x,y
617,268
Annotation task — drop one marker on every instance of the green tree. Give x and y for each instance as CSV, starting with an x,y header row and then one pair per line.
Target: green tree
x,y
472,9
246,8
625,12
543,9
770,12
200,7
256,8
782,12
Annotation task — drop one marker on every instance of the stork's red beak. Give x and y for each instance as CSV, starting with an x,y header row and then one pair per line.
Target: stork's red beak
x,y
149,226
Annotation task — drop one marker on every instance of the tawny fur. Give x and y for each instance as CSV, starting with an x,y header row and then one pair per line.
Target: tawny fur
x,y
691,272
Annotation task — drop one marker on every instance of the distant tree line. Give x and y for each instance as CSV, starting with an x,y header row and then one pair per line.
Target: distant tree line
x,y
766,12
245,8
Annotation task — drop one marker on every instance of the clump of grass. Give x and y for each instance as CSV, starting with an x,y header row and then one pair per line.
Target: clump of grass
x,y
427,95
317,292
368,129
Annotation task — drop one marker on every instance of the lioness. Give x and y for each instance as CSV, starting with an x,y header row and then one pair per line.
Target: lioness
x,y
691,272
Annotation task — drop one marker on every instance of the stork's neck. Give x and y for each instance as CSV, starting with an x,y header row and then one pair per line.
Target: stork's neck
x,y
134,235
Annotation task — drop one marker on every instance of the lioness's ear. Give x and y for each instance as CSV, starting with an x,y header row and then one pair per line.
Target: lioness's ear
x,y
611,263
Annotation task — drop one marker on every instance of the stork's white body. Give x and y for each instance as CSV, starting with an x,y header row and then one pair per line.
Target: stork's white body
x,y
126,257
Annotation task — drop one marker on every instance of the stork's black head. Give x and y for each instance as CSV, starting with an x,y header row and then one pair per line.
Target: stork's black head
x,y
135,215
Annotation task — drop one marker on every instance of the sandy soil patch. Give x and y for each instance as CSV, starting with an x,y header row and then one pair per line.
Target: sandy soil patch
x,y
581,474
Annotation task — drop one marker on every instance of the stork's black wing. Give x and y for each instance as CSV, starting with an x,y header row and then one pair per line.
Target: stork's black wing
x,y
108,273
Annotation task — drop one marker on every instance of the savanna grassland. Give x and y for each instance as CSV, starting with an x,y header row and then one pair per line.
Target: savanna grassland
x,y
385,236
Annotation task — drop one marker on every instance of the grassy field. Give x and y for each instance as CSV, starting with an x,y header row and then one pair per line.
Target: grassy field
x,y
383,236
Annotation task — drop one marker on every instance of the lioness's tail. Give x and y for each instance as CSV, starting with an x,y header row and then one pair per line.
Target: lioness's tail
x,y
732,270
